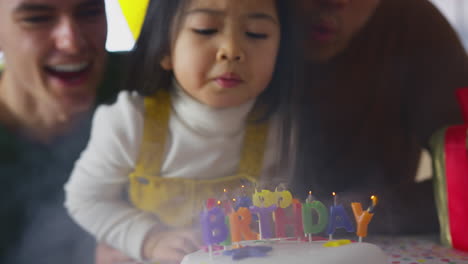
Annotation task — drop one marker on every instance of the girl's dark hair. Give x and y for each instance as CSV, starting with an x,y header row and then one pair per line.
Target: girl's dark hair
x,y
146,75
276,96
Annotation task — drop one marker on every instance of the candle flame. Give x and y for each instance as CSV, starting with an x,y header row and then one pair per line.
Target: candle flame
x,y
374,200
219,202
334,193
233,199
309,198
243,186
225,190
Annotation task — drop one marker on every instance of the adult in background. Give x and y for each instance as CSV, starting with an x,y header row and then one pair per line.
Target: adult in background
x,y
379,79
55,59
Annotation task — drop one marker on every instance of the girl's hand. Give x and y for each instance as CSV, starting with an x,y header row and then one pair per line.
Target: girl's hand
x,y
168,247
108,255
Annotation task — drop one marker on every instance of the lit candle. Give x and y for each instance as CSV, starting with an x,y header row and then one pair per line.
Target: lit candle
x,y
280,222
263,205
214,229
284,200
310,198
321,210
264,218
298,227
338,219
240,225
371,207
363,218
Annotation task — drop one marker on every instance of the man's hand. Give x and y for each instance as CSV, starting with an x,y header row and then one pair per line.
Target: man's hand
x,y
108,255
169,247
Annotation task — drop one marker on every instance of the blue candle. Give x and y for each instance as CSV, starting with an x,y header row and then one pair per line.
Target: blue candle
x,y
338,219
214,229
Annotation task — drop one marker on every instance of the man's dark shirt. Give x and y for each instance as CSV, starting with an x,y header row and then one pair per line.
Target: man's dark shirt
x,y
369,111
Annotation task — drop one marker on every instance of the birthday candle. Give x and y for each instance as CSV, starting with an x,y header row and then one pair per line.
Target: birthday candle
x,y
240,225
320,209
280,222
284,199
264,198
264,203
373,204
338,219
363,218
227,241
210,203
298,226
264,217
214,229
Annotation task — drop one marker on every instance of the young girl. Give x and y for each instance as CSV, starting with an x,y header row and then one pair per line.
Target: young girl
x,y
209,74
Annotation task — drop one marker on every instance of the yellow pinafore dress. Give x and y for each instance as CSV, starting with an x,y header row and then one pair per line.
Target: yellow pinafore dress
x,y
177,202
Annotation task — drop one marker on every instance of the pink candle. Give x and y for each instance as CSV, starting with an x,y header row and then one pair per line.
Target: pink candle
x,y
298,227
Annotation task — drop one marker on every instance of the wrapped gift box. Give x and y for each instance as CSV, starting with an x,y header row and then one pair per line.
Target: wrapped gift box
x,y
450,160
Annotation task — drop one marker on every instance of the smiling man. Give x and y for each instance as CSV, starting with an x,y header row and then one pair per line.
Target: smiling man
x,y
380,79
54,73
54,58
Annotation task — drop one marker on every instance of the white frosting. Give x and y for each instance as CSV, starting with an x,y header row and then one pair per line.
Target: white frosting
x,y
285,252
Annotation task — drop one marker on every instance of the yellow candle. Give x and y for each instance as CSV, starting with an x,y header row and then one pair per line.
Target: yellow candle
x,y
284,199
265,198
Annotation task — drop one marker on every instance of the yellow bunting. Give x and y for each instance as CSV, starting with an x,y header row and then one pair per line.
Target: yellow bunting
x,y
134,12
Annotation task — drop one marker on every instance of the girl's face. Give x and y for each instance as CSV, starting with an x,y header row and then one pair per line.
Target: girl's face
x,y
224,52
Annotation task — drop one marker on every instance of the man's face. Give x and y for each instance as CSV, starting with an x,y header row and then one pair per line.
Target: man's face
x,y
54,51
329,25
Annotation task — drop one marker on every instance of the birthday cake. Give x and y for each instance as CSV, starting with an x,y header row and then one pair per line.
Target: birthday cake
x,y
290,251
229,238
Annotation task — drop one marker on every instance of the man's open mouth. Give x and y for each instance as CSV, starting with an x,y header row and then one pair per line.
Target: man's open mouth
x,y
69,71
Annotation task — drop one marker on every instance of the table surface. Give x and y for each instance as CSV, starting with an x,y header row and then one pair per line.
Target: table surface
x,y
417,250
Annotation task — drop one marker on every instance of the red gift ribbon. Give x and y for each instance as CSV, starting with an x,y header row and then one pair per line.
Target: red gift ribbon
x,y
462,97
456,168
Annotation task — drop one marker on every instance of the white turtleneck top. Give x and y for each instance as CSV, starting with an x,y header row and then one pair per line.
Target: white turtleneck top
x,y
203,143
